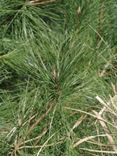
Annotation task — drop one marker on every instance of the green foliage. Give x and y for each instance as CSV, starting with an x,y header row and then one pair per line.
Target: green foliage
x,y
55,56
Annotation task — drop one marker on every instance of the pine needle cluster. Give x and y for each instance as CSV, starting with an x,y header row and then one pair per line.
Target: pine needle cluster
x,y
58,77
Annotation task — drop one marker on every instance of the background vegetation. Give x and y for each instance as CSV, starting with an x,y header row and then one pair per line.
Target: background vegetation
x,y
58,78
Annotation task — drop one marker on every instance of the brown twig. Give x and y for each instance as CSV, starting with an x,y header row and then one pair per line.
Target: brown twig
x,y
40,119
40,2
105,128
78,122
